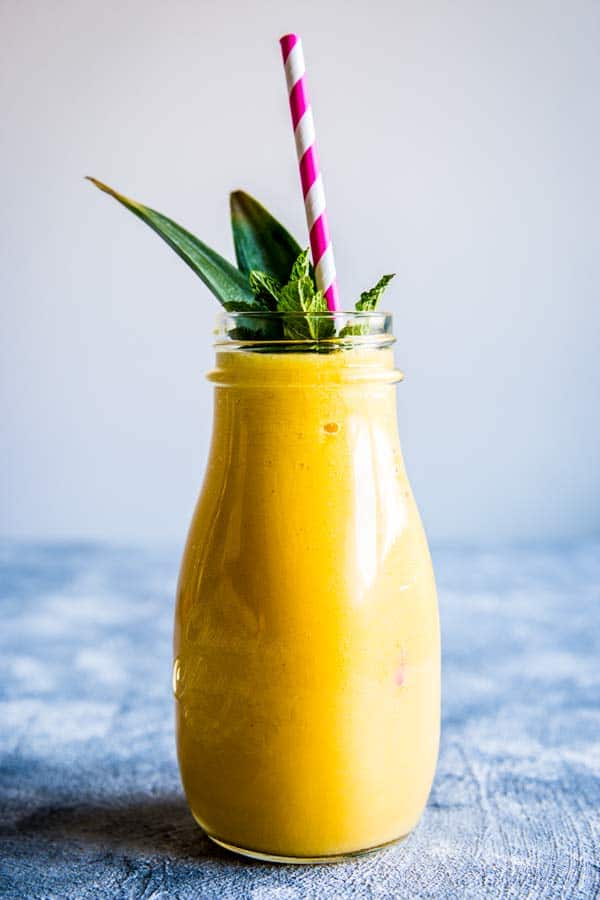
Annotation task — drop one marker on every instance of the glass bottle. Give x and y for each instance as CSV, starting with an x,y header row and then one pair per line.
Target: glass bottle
x,y
307,654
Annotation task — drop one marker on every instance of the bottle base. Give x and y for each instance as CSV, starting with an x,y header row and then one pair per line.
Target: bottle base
x,y
304,860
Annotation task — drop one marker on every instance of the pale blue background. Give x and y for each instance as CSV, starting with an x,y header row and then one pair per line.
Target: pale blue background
x,y
460,144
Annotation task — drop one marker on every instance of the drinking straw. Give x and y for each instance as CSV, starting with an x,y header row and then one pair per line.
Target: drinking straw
x,y
310,171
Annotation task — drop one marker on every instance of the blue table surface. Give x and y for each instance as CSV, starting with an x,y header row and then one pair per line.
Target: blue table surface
x,y
90,799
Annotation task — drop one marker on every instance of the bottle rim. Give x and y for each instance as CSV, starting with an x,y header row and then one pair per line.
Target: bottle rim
x,y
320,330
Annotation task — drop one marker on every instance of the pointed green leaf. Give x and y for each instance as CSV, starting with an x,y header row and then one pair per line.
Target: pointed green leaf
x,y
369,299
261,242
299,297
354,330
296,296
227,284
321,326
265,288
301,267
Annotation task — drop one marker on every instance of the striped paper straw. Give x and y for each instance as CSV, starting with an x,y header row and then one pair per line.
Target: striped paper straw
x,y
310,172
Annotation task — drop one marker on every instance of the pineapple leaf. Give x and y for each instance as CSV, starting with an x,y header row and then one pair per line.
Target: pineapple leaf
x,y
261,242
222,278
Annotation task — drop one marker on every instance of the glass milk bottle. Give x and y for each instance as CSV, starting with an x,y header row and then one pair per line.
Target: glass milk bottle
x,y
307,650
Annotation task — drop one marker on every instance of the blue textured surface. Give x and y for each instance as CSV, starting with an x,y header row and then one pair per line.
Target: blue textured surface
x,y
90,801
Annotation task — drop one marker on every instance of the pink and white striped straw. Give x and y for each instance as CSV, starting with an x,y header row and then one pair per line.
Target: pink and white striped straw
x,y
310,172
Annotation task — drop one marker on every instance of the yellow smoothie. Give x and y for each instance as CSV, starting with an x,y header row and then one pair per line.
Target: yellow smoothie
x,y
307,656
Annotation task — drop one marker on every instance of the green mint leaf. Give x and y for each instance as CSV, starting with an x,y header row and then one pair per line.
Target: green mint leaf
x,y
301,267
299,296
243,306
318,303
256,329
369,299
265,288
354,330
321,327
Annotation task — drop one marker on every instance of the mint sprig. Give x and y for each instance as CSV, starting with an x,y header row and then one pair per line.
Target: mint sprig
x,y
301,267
265,288
367,302
300,295
369,299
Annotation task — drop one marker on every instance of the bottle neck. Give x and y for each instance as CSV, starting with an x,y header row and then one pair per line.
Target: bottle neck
x,y
274,409
358,366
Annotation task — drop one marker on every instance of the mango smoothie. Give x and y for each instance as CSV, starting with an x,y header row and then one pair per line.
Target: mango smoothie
x,y
307,655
